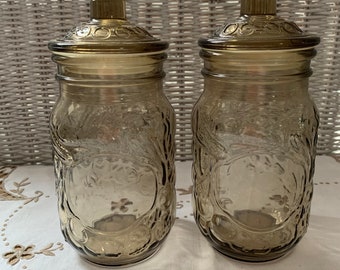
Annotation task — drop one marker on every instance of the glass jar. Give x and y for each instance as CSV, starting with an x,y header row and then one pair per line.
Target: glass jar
x,y
113,139
255,135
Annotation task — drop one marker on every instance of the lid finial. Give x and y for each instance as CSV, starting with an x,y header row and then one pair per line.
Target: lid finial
x,y
258,7
107,9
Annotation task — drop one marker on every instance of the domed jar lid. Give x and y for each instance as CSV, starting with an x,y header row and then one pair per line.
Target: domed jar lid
x,y
259,28
108,31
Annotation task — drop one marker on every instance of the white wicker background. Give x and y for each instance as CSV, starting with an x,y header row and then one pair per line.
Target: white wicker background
x,y
28,89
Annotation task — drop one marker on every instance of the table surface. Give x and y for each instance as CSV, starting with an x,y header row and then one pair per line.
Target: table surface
x,y
30,236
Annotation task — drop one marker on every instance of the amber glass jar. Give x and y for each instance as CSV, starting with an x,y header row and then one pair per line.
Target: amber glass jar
x,y
113,139
255,134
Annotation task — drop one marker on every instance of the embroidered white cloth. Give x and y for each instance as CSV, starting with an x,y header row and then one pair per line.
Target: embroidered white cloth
x,y
30,236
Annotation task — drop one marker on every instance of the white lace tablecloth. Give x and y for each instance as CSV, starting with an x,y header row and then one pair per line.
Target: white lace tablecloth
x,y
30,237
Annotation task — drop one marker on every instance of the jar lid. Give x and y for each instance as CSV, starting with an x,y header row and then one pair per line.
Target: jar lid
x,y
108,31
259,28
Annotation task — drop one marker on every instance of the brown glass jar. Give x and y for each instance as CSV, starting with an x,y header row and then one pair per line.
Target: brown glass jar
x,y
255,135
113,139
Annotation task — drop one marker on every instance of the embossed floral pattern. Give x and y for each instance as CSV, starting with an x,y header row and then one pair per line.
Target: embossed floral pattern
x,y
115,31
121,205
271,25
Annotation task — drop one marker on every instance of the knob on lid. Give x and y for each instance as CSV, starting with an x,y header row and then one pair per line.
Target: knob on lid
x,y
107,9
258,28
258,7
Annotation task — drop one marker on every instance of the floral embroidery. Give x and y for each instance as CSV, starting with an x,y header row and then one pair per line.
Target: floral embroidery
x,y
4,194
185,191
121,205
35,198
179,205
16,193
20,252
49,250
19,187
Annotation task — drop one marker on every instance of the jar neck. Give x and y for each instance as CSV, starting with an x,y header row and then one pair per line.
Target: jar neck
x,y
259,92
108,94
258,65
108,68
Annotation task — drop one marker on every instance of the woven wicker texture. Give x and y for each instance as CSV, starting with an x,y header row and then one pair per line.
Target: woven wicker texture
x,y
28,88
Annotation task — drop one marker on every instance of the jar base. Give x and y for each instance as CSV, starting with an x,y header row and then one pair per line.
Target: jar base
x,y
110,263
236,253
249,258
113,260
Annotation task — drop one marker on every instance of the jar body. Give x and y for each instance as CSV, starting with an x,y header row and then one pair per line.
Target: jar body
x,y
113,142
255,133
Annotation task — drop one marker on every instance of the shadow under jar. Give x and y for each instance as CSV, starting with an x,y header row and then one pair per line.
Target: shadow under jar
x,y
255,135
113,139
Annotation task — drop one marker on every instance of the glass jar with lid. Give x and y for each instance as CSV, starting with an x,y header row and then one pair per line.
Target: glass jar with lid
x,y
255,135
113,138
